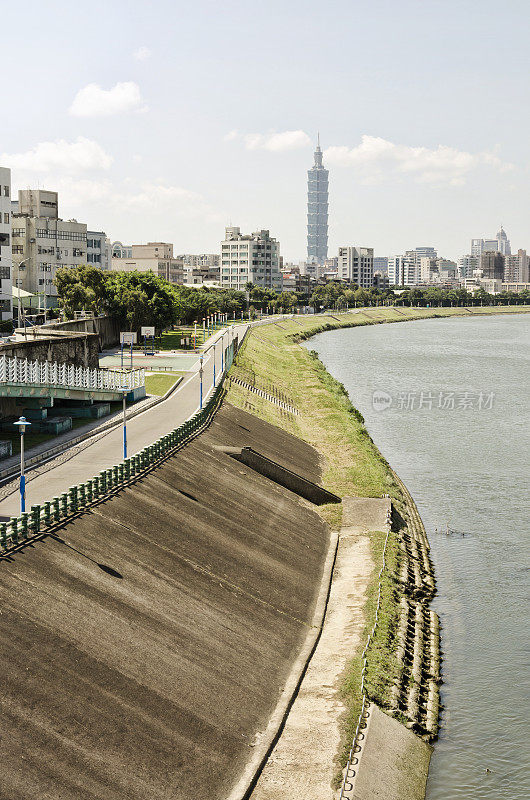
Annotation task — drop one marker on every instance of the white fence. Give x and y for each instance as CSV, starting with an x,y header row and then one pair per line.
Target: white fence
x,y
66,376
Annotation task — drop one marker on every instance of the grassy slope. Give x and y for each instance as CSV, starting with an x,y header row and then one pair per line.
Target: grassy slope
x,y
351,464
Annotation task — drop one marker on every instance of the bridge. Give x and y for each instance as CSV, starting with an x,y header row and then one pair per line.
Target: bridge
x,y
22,377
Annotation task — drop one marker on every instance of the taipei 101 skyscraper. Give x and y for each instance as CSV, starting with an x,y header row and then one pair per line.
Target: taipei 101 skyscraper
x,y
317,210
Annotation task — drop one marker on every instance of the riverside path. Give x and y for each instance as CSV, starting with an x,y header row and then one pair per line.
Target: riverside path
x,y
107,449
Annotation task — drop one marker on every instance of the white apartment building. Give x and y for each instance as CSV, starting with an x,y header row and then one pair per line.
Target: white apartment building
x,y
98,250
467,264
201,260
356,265
154,257
252,258
42,243
6,263
403,270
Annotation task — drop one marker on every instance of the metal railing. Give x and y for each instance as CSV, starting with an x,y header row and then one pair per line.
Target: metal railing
x,y
44,516
67,376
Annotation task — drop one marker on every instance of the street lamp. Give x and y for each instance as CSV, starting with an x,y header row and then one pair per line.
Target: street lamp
x,y
214,364
21,424
201,358
24,261
124,424
222,352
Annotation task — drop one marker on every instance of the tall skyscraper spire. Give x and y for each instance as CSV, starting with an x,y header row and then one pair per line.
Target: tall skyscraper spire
x,y
317,209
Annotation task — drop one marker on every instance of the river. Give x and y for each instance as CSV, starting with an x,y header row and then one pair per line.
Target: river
x,y
446,402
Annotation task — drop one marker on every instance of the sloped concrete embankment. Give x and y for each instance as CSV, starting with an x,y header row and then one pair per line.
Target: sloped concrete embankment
x,y
145,644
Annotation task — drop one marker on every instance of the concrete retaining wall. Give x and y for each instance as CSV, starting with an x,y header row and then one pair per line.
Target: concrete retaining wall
x,y
107,329
144,646
80,349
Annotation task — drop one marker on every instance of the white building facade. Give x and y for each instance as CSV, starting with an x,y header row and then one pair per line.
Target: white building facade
x,y
356,265
98,250
252,258
403,270
6,262
42,243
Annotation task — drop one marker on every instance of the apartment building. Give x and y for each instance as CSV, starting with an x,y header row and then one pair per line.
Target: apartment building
x,y
98,250
356,265
154,257
403,270
120,250
6,263
252,258
492,265
516,268
42,243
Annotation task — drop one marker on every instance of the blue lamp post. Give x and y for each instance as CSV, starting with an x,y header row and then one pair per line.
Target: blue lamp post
x,y
21,424
214,364
222,352
200,378
124,424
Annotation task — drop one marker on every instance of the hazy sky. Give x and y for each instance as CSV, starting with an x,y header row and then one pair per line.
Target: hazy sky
x,y
167,120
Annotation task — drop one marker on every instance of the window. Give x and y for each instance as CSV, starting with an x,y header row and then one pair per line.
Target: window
x,y
19,231
6,191
17,248
5,273
6,218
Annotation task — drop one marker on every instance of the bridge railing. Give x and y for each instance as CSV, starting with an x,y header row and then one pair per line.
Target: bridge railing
x,y
67,376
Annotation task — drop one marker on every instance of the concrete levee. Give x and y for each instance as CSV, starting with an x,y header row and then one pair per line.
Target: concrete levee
x,y
144,647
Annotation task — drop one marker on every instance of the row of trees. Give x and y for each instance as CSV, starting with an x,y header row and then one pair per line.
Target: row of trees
x,y
142,298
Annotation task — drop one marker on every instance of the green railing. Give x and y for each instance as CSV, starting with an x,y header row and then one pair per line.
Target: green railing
x,y
77,498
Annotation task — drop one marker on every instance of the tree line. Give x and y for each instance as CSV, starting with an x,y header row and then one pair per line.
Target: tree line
x,y
143,298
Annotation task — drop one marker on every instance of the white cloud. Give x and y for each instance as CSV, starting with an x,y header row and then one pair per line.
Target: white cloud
x,y
93,101
67,157
377,158
142,54
131,200
274,142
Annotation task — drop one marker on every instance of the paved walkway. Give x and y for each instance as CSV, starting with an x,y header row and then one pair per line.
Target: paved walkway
x,y
87,459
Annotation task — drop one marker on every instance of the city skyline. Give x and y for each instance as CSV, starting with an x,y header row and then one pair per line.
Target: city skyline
x,y
412,162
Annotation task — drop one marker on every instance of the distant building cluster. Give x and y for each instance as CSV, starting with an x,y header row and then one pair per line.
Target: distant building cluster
x,y
35,242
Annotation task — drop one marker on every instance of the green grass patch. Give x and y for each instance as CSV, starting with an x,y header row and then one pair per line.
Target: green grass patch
x,y
160,382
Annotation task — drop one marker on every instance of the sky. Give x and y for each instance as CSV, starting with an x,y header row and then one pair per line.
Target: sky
x,y
169,120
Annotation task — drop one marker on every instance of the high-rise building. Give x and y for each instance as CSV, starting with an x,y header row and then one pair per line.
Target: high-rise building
x,y
252,258
424,252
317,210
501,244
356,265
6,262
467,264
42,243
381,264
403,270
516,267
492,265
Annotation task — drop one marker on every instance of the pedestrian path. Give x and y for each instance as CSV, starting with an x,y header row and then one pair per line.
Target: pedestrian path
x,y
83,463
